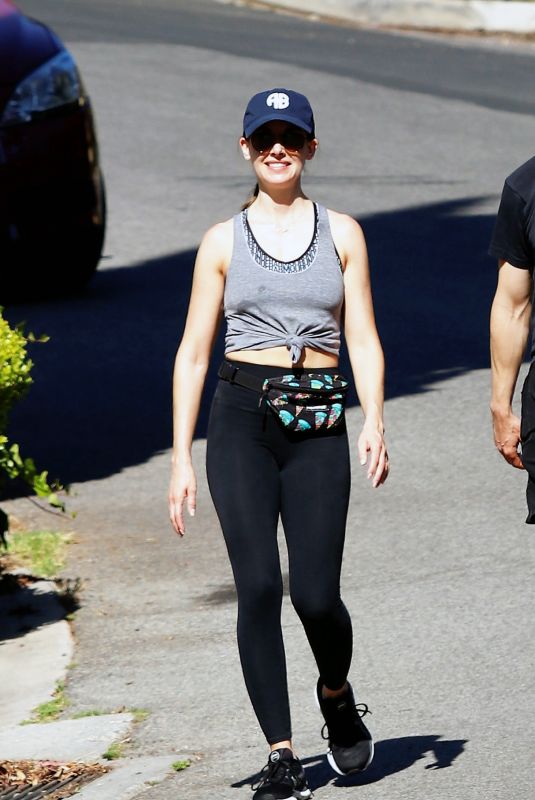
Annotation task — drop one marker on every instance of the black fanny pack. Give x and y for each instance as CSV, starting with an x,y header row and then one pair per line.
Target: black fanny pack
x,y
311,402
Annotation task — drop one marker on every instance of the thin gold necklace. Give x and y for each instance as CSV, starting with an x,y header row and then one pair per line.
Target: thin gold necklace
x,y
285,227
279,229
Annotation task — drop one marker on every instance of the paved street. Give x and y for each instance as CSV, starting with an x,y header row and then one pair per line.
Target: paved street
x,y
416,137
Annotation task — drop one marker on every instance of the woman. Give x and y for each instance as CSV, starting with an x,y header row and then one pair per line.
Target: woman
x,y
286,272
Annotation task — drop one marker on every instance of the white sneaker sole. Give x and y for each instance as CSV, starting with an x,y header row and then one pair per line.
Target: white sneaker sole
x,y
332,762
330,757
304,795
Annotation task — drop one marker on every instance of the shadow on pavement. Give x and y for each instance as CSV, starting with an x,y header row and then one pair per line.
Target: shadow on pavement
x,y
391,756
225,594
101,400
26,608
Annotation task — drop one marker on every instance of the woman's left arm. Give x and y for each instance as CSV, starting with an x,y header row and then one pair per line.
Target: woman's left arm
x,y
364,347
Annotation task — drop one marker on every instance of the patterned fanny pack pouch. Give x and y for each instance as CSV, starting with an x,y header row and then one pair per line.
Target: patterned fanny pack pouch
x,y
303,402
310,402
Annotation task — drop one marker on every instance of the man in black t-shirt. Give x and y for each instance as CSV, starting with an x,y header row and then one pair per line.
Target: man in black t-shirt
x,y
513,244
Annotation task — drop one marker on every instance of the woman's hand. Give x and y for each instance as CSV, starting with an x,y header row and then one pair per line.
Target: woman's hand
x,y
372,451
183,486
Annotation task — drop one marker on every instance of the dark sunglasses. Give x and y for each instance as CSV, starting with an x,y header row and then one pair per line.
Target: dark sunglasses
x,y
292,139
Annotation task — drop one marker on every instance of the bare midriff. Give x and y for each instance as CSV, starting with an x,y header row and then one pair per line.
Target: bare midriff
x,y
280,357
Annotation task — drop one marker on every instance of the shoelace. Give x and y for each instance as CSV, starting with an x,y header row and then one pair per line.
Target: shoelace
x,y
360,710
275,771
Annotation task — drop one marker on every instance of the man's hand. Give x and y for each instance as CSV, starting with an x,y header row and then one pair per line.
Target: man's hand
x,y
507,436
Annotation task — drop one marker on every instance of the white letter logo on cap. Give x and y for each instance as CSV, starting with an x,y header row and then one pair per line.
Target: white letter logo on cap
x,y
278,100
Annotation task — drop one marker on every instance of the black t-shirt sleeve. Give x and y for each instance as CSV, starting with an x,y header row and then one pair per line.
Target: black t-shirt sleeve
x,y
509,239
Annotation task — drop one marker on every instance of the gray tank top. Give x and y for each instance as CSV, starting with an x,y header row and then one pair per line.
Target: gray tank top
x,y
269,303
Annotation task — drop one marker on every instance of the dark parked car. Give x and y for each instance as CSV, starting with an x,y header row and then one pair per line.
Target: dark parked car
x,y
52,204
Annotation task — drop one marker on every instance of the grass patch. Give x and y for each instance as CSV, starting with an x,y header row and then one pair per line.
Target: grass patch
x,y
94,712
139,714
178,766
114,751
51,710
42,552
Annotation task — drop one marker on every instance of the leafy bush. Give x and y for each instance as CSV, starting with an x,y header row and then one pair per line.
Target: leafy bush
x,y
15,381
15,367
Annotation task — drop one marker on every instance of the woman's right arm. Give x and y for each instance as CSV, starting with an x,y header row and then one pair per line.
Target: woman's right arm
x,y
191,363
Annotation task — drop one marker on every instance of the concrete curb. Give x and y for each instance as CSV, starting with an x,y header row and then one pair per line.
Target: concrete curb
x,y
128,778
83,739
491,16
36,648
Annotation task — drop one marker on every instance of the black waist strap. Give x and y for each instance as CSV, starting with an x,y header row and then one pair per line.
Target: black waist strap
x,y
234,374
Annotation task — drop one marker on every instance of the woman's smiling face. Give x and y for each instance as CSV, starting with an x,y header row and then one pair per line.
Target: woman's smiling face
x,y
278,151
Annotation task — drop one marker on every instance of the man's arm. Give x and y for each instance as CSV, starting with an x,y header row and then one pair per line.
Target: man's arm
x,y
509,331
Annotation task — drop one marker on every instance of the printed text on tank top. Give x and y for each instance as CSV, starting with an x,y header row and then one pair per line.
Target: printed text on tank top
x,y
271,303
265,260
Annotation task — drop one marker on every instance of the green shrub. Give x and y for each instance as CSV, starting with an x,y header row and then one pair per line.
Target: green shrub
x,y
15,381
15,368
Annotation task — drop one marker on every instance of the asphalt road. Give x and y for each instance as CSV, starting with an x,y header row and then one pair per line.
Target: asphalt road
x,y
408,63
416,139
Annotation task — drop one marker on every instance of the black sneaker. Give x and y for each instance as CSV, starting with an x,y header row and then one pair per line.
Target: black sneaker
x,y
350,742
284,778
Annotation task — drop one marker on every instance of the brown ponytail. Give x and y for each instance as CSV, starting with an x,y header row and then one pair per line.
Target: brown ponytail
x,y
252,197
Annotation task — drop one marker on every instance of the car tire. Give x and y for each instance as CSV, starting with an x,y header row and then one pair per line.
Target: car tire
x,y
87,251
36,273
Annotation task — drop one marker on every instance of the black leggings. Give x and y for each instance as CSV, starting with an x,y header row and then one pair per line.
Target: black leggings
x,y
256,470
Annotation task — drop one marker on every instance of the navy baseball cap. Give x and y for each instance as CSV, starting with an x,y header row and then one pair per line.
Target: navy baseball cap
x,y
283,104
